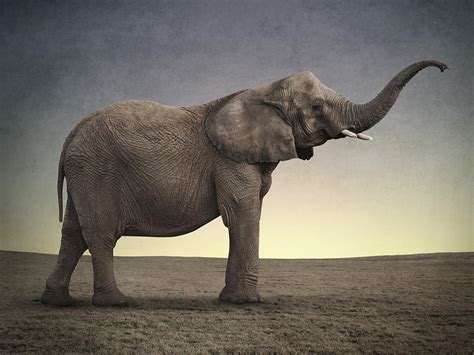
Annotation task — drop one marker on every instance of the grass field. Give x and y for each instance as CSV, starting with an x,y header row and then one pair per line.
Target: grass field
x,y
419,303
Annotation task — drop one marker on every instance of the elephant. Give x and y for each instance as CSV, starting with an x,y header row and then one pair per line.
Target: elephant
x,y
140,168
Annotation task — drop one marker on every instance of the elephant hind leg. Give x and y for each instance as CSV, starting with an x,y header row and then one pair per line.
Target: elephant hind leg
x,y
99,218
71,250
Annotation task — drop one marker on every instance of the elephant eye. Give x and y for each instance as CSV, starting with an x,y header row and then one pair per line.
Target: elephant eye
x,y
318,109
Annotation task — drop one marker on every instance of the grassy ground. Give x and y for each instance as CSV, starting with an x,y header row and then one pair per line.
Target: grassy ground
x,y
420,303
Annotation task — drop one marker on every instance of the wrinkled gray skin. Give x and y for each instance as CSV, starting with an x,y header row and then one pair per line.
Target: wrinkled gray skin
x,y
142,168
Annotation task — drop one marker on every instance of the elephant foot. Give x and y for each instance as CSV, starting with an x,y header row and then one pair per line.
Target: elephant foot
x,y
239,296
57,297
113,298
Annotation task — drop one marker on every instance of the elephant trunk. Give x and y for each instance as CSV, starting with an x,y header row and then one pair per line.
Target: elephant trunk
x,y
360,117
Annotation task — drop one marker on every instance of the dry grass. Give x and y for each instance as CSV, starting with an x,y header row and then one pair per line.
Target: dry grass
x,y
420,303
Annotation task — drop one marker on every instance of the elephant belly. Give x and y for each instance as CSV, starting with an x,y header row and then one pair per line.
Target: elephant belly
x,y
162,227
170,207
162,231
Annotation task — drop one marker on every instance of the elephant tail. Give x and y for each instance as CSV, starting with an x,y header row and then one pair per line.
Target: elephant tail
x,y
60,184
61,173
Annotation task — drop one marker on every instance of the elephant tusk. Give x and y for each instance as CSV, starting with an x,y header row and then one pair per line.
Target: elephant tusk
x,y
348,133
364,137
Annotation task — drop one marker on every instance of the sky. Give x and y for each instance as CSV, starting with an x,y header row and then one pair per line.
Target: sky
x,y
408,191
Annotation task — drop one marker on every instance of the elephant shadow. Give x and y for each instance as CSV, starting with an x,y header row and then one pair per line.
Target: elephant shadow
x,y
210,303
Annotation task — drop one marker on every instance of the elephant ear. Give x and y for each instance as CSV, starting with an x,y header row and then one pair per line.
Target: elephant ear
x,y
246,128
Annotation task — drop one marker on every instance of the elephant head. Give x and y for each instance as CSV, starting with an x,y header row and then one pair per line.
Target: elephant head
x,y
287,118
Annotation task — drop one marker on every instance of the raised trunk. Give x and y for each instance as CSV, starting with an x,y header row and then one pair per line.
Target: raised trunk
x,y
360,117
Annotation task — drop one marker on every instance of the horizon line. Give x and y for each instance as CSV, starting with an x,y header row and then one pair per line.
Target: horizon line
x,y
264,258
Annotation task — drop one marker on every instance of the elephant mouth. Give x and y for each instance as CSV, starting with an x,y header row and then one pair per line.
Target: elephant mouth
x,y
322,135
319,137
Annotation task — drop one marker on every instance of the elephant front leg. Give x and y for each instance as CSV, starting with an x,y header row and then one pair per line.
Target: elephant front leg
x,y
242,265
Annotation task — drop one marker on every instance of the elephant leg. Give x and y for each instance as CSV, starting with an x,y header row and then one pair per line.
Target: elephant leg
x,y
106,292
71,250
242,264
100,222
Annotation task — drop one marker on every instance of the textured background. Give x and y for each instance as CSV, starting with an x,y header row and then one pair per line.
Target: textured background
x,y
409,191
